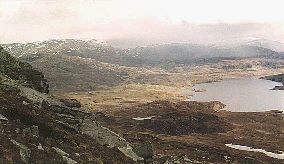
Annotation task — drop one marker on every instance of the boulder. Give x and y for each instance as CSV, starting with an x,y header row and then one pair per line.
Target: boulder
x,y
104,136
71,103
25,152
3,118
32,130
144,150
278,88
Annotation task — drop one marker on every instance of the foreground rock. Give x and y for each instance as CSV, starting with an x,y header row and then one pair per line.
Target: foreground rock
x,y
29,133
38,128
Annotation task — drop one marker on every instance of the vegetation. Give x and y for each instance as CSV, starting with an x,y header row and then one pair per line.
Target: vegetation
x,y
21,71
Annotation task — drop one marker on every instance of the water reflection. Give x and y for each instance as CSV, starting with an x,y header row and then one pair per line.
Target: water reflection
x,y
246,148
242,94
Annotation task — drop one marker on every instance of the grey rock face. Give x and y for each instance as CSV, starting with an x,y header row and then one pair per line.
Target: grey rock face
x,y
25,152
32,130
67,119
278,88
65,156
144,150
71,103
3,118
22,71
104,136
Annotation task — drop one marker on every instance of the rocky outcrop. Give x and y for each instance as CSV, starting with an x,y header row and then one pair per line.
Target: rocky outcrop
x,y
68,114
25,152
23,72
35,127
104,136
277,78
71,103
278,88
42,128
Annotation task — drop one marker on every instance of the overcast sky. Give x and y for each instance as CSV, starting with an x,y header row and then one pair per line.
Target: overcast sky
x,y
148,21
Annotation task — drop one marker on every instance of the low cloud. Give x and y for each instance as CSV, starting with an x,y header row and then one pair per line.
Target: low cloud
x,y
203,33
121,22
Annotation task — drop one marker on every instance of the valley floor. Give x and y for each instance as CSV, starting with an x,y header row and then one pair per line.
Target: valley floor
x,y
151,84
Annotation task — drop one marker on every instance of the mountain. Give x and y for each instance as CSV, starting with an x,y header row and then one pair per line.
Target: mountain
x,y
139,56
250,51
186,53
84,65
274,45
70,47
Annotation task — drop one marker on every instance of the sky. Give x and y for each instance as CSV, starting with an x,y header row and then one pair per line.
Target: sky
x,y
134,22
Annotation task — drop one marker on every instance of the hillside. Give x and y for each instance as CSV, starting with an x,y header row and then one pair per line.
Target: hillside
x,y
274,45
22,71
35,127
72,73
190,53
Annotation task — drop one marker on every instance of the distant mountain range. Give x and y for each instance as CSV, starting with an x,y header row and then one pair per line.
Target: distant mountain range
x,y
148,55
86,63
250,41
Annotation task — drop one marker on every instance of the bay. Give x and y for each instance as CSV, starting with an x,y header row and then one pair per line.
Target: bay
x,y
241,94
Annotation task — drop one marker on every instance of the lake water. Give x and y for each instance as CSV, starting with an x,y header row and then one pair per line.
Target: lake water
x,y
246,148
242,94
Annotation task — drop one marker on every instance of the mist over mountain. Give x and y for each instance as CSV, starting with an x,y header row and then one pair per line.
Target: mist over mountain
x,y
151,55
250,41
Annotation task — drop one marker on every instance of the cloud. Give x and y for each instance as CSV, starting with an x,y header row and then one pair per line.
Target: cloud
x,y
144,21
203,33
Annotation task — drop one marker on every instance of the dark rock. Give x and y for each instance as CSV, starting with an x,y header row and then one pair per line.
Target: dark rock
x,y
145,136
278,88
3,118
69,120
25,152
22,71
158,158
277,78
32,130
58,109
276,111
144,150
35,114
45,104
54,108
10,88
71,103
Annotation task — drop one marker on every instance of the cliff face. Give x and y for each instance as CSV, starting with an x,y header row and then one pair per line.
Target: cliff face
x,y
23,72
